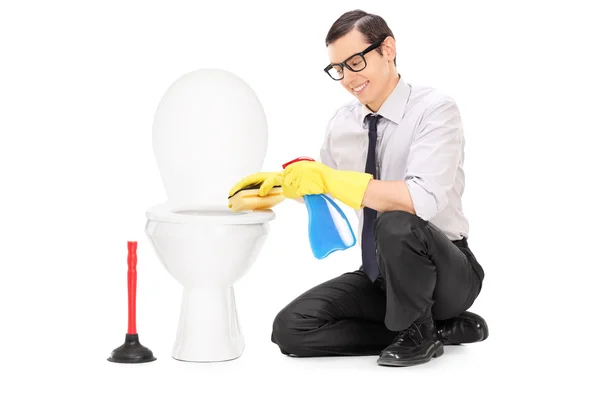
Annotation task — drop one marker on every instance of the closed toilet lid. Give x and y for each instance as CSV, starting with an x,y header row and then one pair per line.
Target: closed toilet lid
x,y
222,216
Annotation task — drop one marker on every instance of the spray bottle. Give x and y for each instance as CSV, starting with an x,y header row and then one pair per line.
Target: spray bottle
x,y
328,228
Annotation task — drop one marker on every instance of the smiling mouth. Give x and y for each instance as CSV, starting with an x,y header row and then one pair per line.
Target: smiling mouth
x,y
360,88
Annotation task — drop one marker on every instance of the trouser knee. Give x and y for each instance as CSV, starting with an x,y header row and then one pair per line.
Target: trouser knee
x,y
396,228
285,334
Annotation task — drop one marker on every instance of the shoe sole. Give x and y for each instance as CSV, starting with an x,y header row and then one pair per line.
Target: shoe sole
x,y
409,363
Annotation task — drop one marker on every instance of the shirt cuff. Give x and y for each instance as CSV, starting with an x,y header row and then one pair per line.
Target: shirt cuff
x,y
423,200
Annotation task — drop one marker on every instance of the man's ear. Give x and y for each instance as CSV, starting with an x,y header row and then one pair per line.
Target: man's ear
x,y
389,48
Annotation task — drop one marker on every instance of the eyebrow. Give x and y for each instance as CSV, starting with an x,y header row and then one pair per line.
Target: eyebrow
x,y
345,59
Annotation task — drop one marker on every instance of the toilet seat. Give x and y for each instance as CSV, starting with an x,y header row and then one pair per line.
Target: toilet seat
x,y
207,215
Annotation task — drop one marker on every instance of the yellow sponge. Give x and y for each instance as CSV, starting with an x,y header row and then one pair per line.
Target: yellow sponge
x,y
248,198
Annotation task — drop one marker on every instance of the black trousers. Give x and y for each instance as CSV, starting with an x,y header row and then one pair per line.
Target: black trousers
x,y
422,273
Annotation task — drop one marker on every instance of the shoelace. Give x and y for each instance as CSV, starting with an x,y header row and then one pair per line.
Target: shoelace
x,y
411,332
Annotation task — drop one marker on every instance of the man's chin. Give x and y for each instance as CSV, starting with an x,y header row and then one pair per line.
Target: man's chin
x,y
364,100
361,97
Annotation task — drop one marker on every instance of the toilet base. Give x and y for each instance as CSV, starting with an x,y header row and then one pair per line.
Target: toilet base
x,y
208,328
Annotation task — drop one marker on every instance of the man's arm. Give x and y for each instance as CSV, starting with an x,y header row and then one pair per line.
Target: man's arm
x,y
431,169
388,196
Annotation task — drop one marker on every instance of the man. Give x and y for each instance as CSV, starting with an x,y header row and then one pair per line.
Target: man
x,y
394,154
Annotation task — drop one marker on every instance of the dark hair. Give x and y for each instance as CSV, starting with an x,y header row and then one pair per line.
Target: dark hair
x,y
372,27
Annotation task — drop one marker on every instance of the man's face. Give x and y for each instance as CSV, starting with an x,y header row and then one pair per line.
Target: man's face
x,y
370,84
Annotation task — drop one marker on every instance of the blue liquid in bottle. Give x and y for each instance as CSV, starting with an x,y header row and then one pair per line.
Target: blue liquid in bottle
x,y
328,228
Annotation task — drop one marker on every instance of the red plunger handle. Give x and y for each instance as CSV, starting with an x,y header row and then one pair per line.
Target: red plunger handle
x,y
131,284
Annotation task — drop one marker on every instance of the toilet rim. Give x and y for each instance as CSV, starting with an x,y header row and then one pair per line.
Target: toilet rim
x,y
219,215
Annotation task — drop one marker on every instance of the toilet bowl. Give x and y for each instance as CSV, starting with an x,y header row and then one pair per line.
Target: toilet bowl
x,y
209,131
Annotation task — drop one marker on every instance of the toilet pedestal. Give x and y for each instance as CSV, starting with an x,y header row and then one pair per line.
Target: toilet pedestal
x,y
208,328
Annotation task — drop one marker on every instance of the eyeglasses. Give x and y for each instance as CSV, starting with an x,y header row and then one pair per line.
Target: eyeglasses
x,y
354,63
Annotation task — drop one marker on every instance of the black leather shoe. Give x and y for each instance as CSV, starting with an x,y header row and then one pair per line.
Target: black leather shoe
x,y
467,327
415,345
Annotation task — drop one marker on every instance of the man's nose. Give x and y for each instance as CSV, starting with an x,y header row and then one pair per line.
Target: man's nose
x,y
349,77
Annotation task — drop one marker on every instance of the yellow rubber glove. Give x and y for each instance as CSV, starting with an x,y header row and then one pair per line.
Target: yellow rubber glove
x,y
266,179
312,177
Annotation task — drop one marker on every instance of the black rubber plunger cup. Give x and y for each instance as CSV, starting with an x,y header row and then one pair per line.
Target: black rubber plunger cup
x,y
131,351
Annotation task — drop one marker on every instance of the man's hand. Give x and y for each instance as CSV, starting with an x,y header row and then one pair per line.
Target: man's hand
x,y
267,181
311,177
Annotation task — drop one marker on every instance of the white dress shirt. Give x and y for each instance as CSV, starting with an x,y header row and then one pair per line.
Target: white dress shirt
x,y
419,140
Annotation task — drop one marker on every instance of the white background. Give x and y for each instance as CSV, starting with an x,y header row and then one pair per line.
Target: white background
x,y
79,85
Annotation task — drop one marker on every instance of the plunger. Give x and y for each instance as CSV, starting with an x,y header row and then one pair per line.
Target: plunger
x,y
131,351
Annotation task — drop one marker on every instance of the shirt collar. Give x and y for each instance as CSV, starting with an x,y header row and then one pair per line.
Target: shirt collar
x,y
393,107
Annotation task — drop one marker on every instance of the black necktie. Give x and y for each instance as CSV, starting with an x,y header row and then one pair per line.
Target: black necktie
x,y
369,256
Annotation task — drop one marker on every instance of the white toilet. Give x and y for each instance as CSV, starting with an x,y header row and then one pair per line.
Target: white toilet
x,y
209,131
